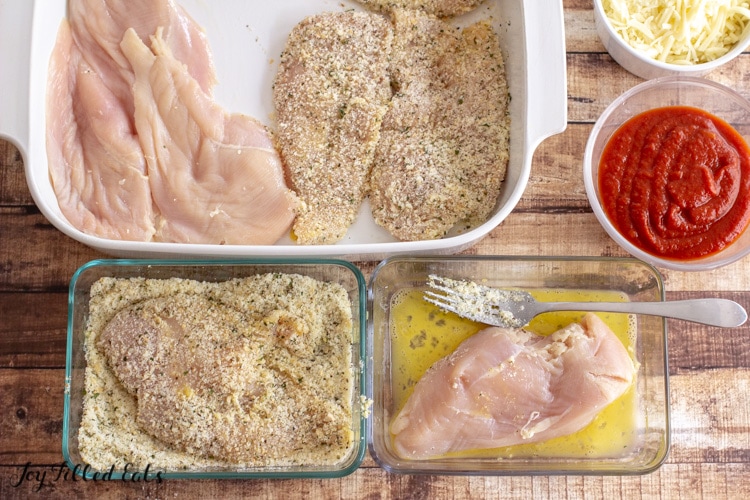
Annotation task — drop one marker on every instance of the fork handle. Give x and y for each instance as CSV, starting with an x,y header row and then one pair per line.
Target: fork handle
x,y
716,312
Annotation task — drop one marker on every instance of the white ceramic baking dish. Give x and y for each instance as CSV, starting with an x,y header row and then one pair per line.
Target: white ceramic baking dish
x,y
246,39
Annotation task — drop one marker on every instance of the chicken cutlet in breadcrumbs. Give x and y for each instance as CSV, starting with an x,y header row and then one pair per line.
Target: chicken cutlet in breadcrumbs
x,y
253,371
443,148
330,95
441,8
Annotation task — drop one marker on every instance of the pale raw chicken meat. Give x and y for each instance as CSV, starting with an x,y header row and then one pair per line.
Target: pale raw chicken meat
x,y
503,387
96,164
99,26
215,177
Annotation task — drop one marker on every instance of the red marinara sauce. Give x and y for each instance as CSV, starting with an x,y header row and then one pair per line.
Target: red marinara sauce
x,y
675,181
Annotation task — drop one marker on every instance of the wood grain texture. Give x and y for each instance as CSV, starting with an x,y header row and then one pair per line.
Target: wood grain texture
x,y
13,189
671,481
709,367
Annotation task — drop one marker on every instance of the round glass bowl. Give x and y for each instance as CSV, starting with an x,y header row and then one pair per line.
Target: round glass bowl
x,y
647,67
706,95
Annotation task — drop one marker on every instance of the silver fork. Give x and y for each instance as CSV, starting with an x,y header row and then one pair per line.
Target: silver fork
x,y
515,308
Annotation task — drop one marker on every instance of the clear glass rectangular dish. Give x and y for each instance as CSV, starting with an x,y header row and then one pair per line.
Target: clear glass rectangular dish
x,y
339,272
624,279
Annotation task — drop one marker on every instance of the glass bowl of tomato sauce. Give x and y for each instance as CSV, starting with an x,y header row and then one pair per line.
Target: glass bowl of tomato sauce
x,y
667,173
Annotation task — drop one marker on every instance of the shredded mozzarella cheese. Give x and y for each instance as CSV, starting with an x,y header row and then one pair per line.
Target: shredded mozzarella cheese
x,y
680,31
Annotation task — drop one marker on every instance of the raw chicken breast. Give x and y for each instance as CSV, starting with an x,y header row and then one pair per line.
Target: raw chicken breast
x,y
188,360
444,142
503,387
215,177
99,26
96,164
250,372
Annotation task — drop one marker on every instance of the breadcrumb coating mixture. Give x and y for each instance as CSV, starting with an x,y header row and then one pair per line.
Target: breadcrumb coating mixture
x,y
183,374
440,8
444,143
412,112
330,95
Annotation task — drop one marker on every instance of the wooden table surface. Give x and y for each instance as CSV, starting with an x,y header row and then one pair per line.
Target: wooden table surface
x,y
709,368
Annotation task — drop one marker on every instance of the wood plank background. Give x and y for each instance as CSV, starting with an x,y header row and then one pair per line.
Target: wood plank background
x,y
709,368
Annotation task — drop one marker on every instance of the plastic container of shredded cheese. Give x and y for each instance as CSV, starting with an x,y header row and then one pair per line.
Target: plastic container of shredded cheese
x,y
660,41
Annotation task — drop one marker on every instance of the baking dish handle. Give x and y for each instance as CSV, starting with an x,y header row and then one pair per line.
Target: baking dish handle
x,y
15,56
547,100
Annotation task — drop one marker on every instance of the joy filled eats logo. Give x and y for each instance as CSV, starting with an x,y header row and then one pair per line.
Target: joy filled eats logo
x,y
41,476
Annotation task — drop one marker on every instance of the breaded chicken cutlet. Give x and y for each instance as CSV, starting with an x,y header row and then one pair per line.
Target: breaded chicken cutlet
x,y
330,94
440,8
443,148
236,372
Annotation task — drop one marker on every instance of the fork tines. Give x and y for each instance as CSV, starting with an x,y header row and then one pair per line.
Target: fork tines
x,y
464,298
448,304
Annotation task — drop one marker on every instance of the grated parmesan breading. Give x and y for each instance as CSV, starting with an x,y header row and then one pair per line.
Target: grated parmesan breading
x,y
679,31
249,372
330,95
440,8
412,113
444,145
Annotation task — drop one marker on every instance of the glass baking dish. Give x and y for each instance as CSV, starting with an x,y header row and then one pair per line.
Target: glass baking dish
x,y
340,272
647,427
